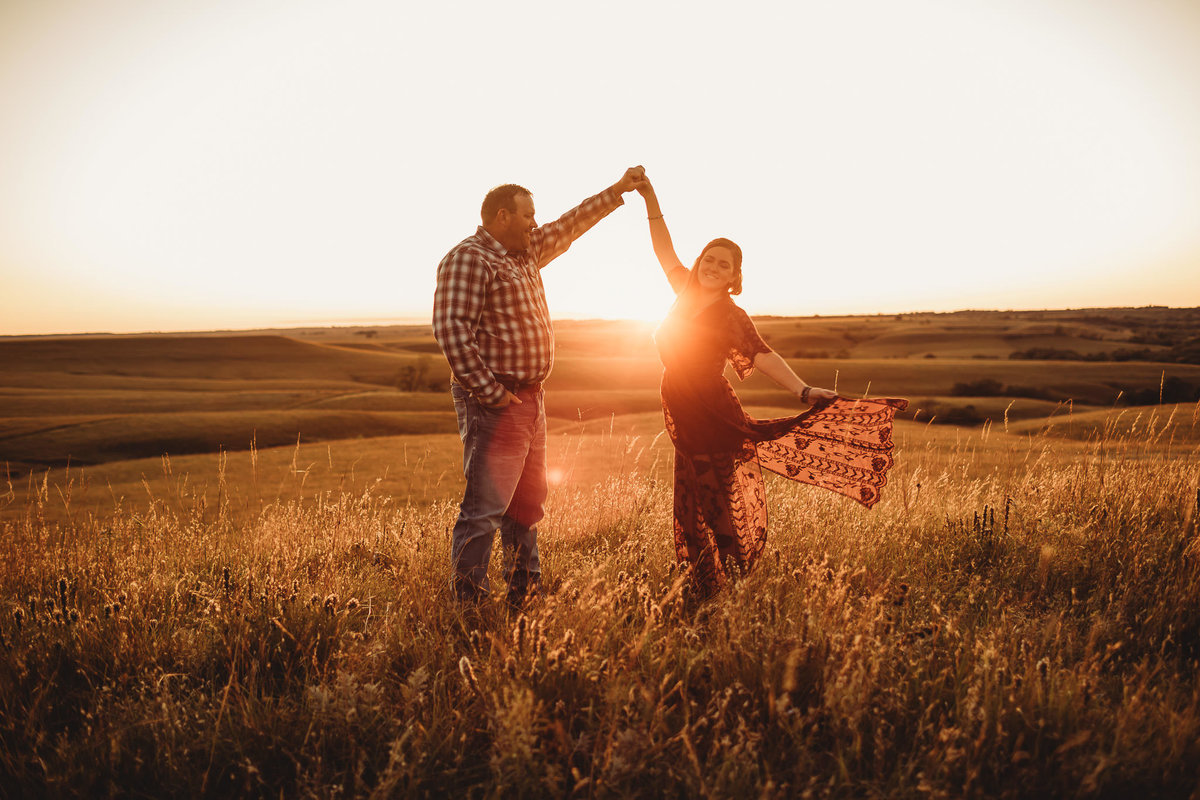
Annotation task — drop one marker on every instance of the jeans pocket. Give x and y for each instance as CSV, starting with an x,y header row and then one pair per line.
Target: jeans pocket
x,y
492,411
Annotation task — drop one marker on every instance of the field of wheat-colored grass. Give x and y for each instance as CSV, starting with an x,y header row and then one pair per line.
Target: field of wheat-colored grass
x,y
225,572
1020,617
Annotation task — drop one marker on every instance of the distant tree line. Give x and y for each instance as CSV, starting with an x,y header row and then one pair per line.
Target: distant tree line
x,y
1173,390
802,353
930,410
989,387
1183,353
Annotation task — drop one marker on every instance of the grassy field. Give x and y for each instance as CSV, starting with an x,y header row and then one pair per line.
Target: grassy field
x,y
268,614
1020,617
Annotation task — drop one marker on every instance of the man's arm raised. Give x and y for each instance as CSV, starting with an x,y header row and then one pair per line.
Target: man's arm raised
x,y
552,239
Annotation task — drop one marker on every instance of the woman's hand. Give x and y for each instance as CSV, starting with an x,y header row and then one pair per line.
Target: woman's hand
x,y
632,179
818,395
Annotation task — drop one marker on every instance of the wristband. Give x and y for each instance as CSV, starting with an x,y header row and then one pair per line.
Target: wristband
x,y
804,394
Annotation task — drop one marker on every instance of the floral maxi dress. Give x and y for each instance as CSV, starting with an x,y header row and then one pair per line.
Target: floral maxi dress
x,y
720,451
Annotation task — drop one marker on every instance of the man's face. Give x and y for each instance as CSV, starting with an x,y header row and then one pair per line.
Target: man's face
x,y
517,225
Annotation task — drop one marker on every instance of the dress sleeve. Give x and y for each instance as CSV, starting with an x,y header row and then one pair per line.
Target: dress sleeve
x,y
744,343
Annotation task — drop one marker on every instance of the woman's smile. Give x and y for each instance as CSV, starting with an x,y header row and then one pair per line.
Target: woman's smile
x,y
716,270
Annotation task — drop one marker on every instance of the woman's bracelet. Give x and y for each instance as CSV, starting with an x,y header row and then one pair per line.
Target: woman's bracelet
x,y
804,394
660,216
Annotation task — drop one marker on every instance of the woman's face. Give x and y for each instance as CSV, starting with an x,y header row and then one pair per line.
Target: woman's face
x,y
716,271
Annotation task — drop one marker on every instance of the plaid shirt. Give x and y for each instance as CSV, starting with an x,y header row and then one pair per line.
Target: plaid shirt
x,y
489,309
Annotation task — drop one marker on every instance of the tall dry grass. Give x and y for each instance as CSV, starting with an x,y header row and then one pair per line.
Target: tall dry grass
x,y
1019,618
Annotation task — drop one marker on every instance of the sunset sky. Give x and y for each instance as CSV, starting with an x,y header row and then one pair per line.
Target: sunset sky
x,y
257,163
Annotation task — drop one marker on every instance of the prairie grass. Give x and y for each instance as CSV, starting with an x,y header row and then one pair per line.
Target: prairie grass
x,y
1020,617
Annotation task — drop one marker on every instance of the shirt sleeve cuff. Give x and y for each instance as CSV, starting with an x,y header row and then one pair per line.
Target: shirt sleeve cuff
x,y
493,395
612,197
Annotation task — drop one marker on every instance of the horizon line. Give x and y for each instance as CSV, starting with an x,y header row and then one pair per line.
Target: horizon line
x,y
405,321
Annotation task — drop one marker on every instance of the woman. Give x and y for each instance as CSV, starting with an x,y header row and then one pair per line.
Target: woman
x,y
720,505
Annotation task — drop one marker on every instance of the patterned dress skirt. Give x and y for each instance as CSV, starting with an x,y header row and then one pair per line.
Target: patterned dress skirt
x,y
720,451
720,504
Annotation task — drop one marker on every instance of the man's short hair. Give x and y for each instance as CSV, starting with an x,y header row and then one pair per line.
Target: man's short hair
x,y
501,197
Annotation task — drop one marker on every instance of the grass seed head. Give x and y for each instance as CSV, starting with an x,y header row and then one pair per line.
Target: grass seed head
x,y
539,639
791,669
519,633
468,674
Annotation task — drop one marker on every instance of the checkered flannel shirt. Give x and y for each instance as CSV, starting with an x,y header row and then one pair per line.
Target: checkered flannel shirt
x,y
489,309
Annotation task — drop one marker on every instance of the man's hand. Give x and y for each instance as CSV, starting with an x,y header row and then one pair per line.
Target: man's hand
x,y
508,399
632,179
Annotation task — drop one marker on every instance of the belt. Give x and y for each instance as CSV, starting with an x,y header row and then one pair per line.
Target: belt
x,y
515,386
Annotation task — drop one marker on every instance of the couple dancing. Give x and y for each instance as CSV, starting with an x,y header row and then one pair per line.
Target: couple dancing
x,y
491,321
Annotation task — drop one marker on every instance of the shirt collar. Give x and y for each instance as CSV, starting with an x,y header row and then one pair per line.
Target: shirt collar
x,y
492,243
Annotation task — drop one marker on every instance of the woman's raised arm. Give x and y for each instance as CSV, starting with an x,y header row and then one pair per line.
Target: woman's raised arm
x,y
660,236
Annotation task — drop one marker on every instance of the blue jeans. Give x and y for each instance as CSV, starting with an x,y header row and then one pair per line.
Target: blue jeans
x,y
504,462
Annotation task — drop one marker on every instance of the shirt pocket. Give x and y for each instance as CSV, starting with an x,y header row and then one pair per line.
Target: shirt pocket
x,y
507,289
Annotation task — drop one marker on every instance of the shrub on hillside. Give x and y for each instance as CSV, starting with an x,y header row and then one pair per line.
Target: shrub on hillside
x,y
1034,392
961,415
989,387
939,413
419,377
984,387
1045,354
1173,390
1188,352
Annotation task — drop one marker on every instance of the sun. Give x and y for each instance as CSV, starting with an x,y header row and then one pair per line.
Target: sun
x,y
643,301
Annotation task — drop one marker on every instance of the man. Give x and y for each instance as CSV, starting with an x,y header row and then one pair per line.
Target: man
x,y
491,320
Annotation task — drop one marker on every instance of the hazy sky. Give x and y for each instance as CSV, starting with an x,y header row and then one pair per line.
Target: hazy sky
x,y
251,163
